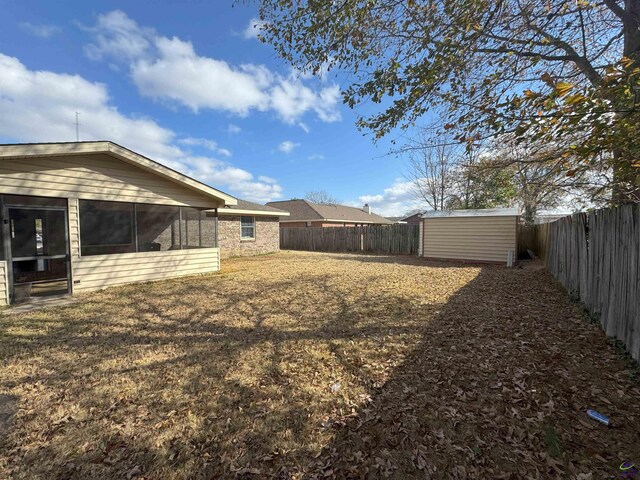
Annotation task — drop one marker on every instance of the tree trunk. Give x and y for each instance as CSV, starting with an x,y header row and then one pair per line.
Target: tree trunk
x,y
626,177
529,213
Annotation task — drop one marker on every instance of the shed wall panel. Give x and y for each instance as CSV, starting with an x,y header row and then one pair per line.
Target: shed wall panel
x,y
485,239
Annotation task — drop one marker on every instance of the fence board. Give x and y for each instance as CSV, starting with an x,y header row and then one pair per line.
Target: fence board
x,y
596,257
397,239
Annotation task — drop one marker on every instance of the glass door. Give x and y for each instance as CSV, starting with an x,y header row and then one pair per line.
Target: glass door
x,y
37,251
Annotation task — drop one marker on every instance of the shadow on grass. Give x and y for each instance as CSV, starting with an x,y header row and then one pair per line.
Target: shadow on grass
x,y
505,362
351,369
8,408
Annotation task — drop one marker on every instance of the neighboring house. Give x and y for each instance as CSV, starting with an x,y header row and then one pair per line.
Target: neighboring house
x,y
549,217
249,229
414,219
489,235
85,215
307,214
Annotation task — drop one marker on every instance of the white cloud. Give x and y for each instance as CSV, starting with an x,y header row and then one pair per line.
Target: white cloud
x,y
304,127
233,129
253,28
199,82
243,184
200,142
206,143
393,201
291,99
315,156
169,69
40,106
42,30
266,179
287,146
116,35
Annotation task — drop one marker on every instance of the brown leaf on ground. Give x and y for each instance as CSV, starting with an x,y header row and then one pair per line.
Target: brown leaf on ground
x,y
306,365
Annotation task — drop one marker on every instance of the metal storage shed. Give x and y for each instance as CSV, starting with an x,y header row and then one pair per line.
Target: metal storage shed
x,y
488,235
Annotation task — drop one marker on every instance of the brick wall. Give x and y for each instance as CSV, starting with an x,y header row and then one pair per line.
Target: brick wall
x,y
267,237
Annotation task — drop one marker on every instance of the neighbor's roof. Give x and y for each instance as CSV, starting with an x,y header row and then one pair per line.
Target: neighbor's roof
x,y
27,150
305,211
249,208
486,212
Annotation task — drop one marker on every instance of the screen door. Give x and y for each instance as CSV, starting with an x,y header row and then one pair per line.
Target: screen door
x,y
38,251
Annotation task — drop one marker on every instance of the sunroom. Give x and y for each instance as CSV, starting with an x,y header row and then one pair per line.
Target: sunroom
x,y
87,215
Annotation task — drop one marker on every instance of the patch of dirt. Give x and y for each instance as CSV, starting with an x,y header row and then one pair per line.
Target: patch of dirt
x,y
309,365
8,407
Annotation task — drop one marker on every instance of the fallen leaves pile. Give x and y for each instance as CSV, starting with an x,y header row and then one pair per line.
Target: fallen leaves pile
x,y
308,365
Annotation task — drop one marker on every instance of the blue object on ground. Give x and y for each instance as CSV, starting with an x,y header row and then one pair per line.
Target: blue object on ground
x,y
598,416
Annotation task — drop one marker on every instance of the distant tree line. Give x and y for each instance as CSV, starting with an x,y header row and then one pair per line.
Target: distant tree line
x,y
446,176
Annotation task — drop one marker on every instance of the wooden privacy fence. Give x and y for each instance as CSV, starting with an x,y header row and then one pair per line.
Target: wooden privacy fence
x,y
533,238
596,256
400,239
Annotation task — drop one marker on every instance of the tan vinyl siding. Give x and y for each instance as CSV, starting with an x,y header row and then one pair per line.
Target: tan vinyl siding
x,y
74,235
99,271
74,227
4,284
485,239
94,177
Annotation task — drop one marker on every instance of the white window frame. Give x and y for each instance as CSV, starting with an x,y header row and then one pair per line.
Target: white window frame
x,y
253,220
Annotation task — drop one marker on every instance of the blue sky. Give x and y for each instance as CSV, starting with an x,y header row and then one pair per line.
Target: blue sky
x,y
188,84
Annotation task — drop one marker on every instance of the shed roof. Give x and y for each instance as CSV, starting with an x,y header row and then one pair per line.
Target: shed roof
x,y
305,211
27,150
485,212
245,207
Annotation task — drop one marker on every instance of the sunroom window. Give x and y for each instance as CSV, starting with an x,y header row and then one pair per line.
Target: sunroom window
x,y
106,227
158,227
117,227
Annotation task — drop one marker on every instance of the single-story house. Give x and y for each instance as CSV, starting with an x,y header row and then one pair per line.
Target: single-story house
x,y
249,229
549,216
414,219
489,235
304,213
86,215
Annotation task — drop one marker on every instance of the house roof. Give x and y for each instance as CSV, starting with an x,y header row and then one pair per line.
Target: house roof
x,y
249,208
27,150
305,211
486,212
395,219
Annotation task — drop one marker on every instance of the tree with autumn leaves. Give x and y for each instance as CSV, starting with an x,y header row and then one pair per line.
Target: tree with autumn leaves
x,y
564,74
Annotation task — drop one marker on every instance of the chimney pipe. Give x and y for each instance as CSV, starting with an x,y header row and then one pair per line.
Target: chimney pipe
x,y
367,208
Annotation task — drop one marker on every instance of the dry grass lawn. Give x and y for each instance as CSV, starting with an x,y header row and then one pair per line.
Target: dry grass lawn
x,y
305,365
